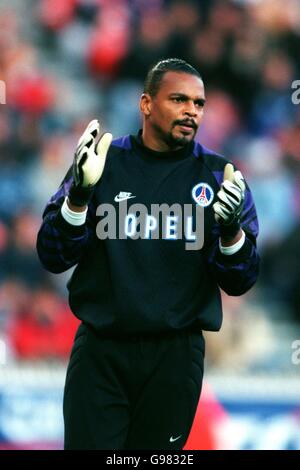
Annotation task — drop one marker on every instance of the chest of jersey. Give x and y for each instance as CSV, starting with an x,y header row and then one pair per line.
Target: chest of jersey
x,y
170,200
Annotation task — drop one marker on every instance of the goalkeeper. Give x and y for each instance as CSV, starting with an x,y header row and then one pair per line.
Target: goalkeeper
x,y
135,373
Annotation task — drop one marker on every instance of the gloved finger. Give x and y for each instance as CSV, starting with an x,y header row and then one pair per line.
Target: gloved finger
x,y
85,143
226,201
239,180
90,133
93,127
82,156
232,190
80,160
221,210
228,172
219,206
103,144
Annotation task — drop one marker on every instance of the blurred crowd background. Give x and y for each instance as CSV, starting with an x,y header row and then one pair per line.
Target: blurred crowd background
x,y
65,62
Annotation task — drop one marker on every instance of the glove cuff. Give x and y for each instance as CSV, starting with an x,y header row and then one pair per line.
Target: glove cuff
x,y
80,196
228,232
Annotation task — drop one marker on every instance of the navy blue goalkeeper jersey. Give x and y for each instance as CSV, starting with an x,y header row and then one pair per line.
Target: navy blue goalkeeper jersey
x,y
146,284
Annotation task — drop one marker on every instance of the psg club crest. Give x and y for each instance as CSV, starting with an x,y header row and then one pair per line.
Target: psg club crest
x,y
203,194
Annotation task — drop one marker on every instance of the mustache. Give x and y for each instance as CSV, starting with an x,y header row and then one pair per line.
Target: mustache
x,y
186,122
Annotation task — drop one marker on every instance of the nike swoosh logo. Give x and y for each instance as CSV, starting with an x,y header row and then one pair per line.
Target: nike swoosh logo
x,y
122,198
173,439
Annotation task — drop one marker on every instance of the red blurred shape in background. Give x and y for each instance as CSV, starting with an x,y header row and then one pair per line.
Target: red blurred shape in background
x,y
109,41
45,329
55,14
209,416
33,94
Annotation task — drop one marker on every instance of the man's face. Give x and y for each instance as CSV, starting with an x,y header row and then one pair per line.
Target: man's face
x,y
175,113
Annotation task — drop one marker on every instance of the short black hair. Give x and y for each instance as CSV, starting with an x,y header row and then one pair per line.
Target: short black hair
x,y
156,73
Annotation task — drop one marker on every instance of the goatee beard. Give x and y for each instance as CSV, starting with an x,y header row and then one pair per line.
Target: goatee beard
x,y
175,142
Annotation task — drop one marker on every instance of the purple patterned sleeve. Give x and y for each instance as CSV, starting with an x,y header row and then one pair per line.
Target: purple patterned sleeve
x,y
237,273
60,245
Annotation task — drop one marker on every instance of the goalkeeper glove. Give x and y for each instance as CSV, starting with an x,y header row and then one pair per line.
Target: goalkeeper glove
x,y
88,165
228,208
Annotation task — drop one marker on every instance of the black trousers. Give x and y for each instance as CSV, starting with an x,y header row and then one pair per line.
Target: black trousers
x,y
138,393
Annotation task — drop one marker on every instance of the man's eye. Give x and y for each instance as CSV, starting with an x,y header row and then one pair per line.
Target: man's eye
x,y
178,99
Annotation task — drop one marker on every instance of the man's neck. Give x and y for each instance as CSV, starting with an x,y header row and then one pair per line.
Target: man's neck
x,y
156,144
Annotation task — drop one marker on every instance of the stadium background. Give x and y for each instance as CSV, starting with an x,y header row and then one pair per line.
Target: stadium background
x,y
64,62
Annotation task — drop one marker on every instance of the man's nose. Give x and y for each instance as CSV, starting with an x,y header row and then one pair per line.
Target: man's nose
x,y
191,109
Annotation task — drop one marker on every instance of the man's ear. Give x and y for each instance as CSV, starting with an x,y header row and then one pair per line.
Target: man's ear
x,y
146,104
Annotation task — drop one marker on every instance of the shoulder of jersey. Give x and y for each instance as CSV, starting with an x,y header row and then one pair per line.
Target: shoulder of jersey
x,y
213,160
121,143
